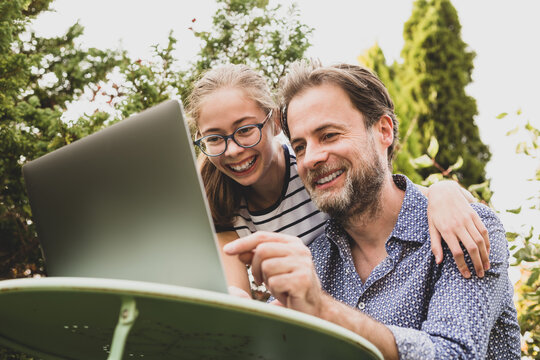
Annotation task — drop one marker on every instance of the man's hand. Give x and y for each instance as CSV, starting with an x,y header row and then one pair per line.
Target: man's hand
x,y
285,265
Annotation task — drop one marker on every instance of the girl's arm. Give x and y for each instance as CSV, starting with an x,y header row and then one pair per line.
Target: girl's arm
x,y
452,218
235,271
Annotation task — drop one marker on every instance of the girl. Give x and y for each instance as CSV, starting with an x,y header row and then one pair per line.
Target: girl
x,y
252,182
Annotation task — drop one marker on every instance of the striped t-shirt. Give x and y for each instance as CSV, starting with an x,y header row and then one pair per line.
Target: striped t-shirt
x,y
294,214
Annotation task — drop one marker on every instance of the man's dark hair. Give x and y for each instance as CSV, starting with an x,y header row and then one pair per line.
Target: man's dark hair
x,y
366,92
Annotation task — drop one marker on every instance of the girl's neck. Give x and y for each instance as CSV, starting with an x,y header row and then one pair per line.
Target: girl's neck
x,y
267,191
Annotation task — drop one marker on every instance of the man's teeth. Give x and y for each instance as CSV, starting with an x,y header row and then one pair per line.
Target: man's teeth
x,y
329,178
243,166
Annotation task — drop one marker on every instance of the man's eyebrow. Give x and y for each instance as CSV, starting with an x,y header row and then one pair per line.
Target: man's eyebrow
x,y
295,141
235,125
319,129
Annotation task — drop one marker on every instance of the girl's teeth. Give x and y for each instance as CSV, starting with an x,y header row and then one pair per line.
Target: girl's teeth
x,y
244,166
329,178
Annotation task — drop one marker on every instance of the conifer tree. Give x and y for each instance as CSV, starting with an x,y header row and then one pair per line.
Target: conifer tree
x,y
437,67
408,145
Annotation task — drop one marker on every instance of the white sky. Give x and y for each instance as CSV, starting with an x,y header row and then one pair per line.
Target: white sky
x,y
504,34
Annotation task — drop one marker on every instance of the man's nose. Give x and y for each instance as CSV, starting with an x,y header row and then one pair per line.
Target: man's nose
x,y
314,156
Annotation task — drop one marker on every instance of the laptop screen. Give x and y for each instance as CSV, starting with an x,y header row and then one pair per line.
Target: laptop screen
x,y
127,203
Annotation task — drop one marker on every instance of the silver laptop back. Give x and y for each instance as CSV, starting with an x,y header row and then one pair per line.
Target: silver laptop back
x,y
127,203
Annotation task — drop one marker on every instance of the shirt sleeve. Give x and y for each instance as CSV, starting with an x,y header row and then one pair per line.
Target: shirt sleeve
x,y
462,312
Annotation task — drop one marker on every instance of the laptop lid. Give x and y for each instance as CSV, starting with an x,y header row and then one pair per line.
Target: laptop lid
x,y
127,202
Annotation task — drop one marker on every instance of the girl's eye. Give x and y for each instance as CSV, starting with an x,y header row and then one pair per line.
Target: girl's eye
x,y
245,130
213,139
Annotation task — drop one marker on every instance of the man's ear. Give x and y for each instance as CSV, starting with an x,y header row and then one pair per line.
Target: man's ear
x,y
385,130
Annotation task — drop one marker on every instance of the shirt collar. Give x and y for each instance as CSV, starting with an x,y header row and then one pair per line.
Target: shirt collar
x,y
411,225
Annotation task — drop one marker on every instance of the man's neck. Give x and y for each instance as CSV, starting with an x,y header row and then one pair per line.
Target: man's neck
x,y
370,230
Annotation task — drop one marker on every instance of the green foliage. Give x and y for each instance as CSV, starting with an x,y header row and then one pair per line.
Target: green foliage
x,y
526,247
428,89
436,69
253,33
525,244
38,78
409,145
149,82
243,31
429,161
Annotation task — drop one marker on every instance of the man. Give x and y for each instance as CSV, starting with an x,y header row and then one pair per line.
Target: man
x,y
376,273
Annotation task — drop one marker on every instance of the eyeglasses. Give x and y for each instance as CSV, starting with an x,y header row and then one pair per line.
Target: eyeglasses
x,y
245,136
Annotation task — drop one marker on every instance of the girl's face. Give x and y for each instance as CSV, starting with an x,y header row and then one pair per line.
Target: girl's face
x,y
224,111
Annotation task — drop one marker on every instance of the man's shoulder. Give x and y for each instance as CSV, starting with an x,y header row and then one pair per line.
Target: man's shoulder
x,y
489,217
483,209
498,252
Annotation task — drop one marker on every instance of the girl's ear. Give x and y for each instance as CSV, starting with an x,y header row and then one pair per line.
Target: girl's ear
x,y
194,130
276,119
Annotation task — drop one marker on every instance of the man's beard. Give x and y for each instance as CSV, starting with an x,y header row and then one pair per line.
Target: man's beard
x,y
358,196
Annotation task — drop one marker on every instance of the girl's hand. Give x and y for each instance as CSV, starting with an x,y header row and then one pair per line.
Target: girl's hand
x,y
451,218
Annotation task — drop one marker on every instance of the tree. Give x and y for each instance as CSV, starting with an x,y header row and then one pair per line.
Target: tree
x,y
243,31
436,69
409,143
526,245
38,78
253,33
146,83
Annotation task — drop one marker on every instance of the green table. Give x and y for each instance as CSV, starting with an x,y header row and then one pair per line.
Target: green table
x,y
85,318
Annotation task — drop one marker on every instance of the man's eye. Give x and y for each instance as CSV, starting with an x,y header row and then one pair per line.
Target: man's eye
x,y
329,136
298,148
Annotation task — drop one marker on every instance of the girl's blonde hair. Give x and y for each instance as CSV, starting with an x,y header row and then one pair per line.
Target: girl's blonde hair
x,y
224,194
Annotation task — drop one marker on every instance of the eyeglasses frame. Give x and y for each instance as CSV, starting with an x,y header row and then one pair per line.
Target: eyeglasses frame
x,y
231,136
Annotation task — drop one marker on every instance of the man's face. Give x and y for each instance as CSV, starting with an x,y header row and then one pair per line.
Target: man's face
x,y
338,158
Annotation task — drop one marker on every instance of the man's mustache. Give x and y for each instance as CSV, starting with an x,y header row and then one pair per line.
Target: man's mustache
x,y
324,170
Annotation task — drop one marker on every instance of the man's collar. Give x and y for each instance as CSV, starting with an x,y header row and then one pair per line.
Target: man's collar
x,y
411,224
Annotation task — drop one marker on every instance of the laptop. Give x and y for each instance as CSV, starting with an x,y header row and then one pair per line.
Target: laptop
x,y
127,202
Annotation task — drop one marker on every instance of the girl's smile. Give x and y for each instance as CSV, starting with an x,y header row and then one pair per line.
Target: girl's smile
x,y
243,167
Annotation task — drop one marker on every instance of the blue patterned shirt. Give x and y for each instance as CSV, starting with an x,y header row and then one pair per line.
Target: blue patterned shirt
x,y
432,311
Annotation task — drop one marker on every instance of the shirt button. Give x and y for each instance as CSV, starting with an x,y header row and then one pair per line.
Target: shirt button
x,y
361,305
